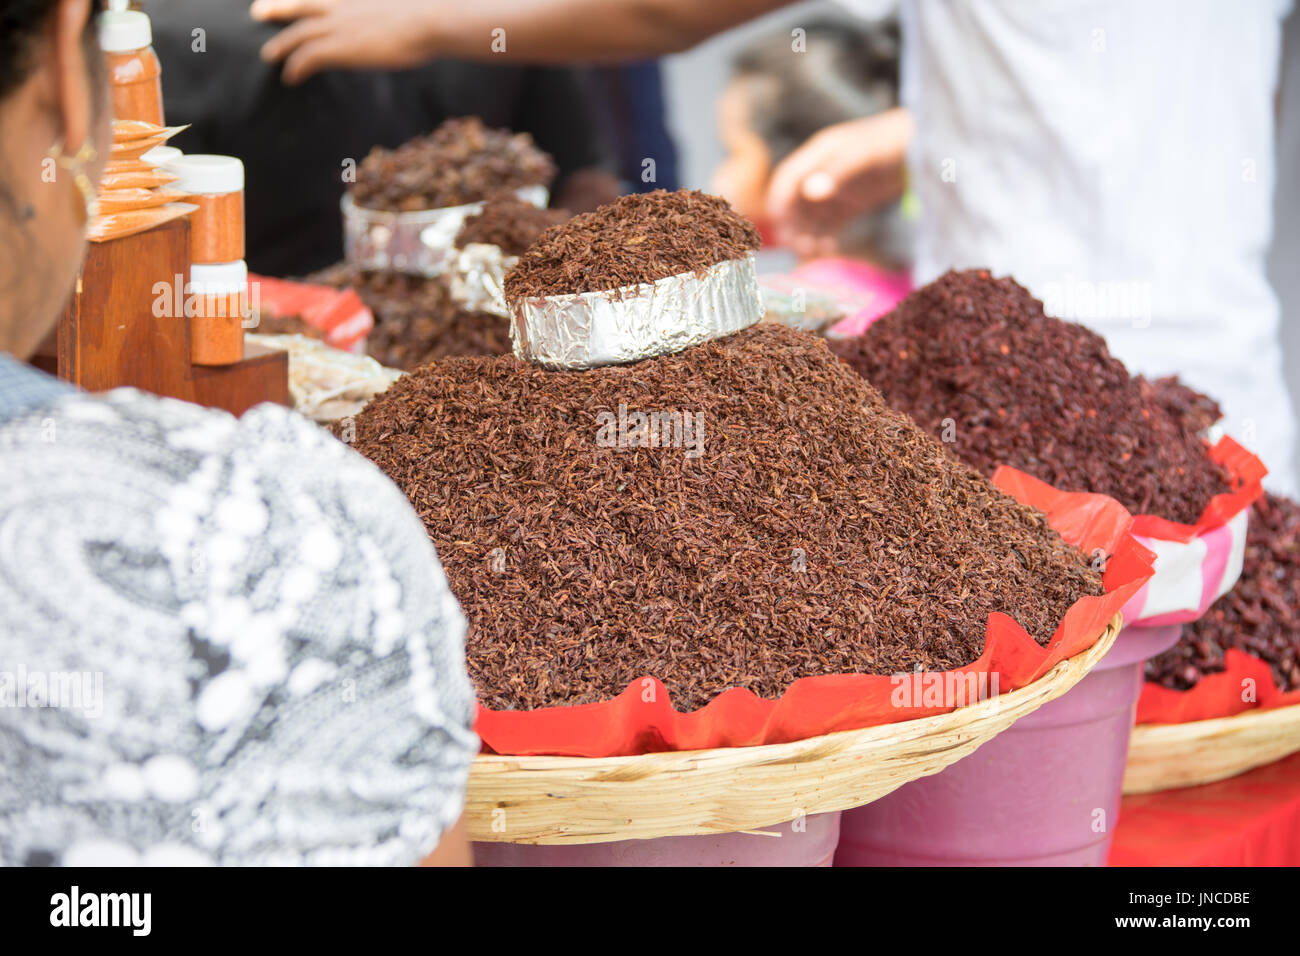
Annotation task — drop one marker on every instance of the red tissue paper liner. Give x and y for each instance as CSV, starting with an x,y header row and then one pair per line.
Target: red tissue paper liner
x,y
339,313
1215,695
1245,472
642,718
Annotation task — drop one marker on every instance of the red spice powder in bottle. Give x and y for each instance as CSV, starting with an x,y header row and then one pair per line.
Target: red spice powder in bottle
x,y
220,299
216,185
135,75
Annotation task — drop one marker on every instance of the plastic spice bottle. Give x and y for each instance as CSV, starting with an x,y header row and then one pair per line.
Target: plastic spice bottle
x,y
216,185
135,75
162,155
220,300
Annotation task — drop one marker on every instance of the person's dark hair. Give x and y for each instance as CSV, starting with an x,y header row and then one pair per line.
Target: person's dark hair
x,y
845,72
21,21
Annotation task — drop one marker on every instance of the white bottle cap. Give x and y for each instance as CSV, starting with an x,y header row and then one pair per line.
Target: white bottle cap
x,y
161,155
206,175
221,278
122,31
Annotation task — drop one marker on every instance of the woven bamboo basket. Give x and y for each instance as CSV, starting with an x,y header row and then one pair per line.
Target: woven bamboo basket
x,y
1169,756
557,800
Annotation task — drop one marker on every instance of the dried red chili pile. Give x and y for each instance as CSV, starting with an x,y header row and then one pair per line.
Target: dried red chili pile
x,y
634,239
460,162
416,319
818,532
1186,404
510,224
974,360
1260,615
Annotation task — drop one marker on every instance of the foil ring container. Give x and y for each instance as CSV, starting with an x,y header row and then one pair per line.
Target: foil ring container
x,y
808,312
420,242
477,278
613,327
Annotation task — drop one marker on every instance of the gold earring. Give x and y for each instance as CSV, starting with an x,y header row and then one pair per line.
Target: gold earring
x,y
77,166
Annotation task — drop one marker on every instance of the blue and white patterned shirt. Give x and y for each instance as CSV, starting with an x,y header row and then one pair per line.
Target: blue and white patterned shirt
x,y
222,641
23,387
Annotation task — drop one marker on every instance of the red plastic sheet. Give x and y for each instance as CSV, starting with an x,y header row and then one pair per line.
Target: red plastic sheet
x,y
1245,684
1250,820
1245,472
339,313
643,720
1217,695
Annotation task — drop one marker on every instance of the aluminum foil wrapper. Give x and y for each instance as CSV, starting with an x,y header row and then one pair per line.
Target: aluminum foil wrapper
x,y
327,384
589,329
478,278
807,311
420,242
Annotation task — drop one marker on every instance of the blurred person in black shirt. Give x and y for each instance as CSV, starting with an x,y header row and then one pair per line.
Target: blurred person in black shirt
x,y
295,141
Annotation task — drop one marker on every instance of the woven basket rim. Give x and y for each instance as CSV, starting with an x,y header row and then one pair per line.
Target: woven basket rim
x,y
1209,724
685,792
1196,752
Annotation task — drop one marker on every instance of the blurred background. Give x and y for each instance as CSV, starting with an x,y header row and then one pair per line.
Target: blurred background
x,y
724,115
693,82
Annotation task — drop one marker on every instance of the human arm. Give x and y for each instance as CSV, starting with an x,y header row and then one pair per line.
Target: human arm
x,y
359,34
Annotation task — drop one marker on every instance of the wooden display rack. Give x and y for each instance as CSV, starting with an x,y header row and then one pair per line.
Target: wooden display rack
x,y
111,336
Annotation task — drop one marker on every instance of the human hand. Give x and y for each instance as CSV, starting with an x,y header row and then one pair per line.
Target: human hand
x,y
840,173
347,34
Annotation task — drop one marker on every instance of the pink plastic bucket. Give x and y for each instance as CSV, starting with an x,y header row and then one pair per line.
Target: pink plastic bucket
x,y
1044,792
814,845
